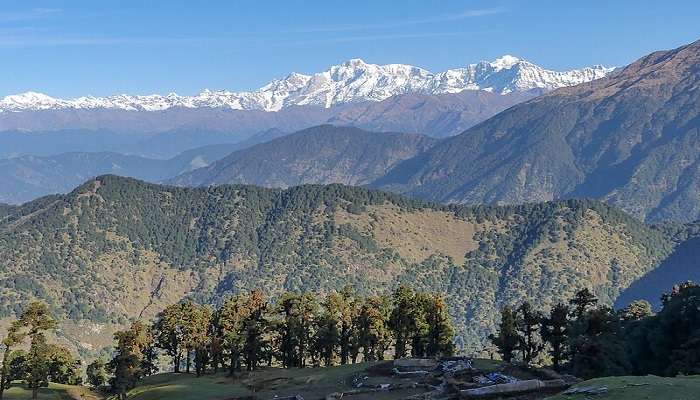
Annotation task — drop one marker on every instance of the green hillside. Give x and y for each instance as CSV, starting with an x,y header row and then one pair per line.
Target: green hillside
x,y
268,382
117,249
55,391
638,387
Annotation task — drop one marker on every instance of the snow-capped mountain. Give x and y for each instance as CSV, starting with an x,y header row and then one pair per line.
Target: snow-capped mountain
x,y
350,82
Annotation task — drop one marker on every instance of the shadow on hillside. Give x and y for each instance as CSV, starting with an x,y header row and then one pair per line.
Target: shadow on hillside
x,y
681,266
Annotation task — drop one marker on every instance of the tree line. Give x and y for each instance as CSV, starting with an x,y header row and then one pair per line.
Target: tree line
x,y
297,330
591,340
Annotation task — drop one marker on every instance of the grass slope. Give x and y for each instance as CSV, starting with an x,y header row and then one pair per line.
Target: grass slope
x,y
640,388
55,391
266,383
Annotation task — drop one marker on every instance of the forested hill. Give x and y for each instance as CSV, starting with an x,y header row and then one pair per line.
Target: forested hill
x,y
322,154
117,248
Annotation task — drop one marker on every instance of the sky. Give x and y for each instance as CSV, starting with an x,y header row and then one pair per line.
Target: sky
x,y
87,47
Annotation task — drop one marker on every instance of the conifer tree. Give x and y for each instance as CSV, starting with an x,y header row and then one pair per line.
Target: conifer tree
x,y
555,332
402,321
528,324
596,347
507,339
582,302
674,334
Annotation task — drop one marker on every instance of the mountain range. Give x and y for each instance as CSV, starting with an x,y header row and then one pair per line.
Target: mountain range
x,y
631,139
352,81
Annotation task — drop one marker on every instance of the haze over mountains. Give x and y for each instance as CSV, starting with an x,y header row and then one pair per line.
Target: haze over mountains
x,y
323,154
631,139
45,141
300,101
350,82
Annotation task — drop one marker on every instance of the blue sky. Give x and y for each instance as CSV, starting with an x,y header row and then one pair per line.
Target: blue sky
x,y
74,48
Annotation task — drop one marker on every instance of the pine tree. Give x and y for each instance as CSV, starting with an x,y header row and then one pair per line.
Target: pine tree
x,y
581,302
507,340
596,346
675,332
402,321
528,323
555,332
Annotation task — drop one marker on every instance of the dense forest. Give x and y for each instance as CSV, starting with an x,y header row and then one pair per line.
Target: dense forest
x,y
117,249
590,340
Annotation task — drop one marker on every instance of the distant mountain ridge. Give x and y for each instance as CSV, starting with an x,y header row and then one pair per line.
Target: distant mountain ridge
x,y
631,139
318,155
350,82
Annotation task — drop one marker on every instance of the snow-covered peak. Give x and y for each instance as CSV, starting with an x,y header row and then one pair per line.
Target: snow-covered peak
x,y
351,81
28,100
354,63
505,62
